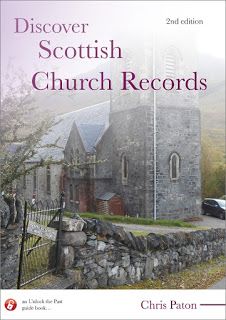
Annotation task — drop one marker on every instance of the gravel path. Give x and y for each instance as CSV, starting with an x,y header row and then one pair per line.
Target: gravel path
x,y
219,284
207,222
210,222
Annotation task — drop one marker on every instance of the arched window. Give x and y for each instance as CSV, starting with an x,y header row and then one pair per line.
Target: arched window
x,y
174,166
24,181
77,193
77,157
72,162
71,192
48,180
171,61
125,169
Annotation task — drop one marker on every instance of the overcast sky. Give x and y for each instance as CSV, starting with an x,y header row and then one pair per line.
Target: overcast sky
x,y
107,20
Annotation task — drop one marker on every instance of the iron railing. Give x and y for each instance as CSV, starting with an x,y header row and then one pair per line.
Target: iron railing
x,y
40,252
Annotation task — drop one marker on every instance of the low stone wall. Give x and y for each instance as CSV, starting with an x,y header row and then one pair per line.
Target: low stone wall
x,y
11,213
101,254
9,256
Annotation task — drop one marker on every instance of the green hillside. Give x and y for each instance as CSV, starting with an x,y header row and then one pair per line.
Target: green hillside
x,y
212,107
212,104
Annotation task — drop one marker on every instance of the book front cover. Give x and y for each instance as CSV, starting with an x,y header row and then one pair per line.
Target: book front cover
x,y
112,160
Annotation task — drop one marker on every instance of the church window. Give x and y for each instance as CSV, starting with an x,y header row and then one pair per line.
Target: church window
x,y
35,180
174,166
71,193
72,162
24,178
48,180
77,193
94,160
125,168
77,157
24,181
171,59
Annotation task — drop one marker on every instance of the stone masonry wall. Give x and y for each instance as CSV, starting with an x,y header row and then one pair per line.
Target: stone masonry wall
x,y
100,254
41,182
128,138
9,256
10,232
178,131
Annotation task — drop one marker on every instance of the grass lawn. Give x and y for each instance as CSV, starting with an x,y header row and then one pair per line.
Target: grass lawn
x,y
42,282
200,276
138,233
133,220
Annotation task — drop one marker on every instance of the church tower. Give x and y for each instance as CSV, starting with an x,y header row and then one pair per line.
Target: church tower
x,y
156,134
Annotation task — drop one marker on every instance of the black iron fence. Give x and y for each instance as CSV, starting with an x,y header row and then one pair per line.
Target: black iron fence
x,y
40,240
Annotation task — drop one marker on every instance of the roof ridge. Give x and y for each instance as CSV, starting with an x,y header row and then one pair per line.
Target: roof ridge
x,y
88,107
90,124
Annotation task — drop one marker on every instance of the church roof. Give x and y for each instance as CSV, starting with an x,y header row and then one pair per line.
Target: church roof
x,y
90,134
91,122
13,147
106,196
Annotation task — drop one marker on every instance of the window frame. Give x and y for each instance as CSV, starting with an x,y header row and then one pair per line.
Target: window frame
x,y
172,59
76,193
178,166
35,180
24,182
124,169
48,180
71,192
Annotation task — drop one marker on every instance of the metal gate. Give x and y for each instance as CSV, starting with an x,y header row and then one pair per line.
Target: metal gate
x,y
40,242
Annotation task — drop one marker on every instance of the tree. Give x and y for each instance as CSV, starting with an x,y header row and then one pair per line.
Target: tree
x,y
21,129
206,166
213,171
219,181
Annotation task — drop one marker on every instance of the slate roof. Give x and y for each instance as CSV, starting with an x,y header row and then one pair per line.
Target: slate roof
x,y
13,147
90,134
91,122
106,196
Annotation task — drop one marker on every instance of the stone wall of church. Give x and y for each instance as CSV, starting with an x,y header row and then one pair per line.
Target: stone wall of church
x,y
60,179
178,130
103,170
128,136
40,191
74,145
75,189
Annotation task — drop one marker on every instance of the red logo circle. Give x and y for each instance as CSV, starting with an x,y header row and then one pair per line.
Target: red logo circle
x,y
10,304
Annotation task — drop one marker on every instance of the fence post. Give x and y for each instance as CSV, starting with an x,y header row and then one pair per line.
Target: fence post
x,y
22,246
59,233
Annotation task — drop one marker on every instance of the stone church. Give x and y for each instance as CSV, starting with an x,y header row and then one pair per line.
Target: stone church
x,y
140,146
